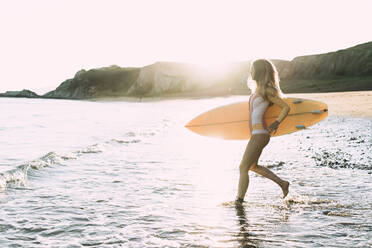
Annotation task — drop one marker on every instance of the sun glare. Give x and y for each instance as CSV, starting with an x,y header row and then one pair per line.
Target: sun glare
x,y
213,70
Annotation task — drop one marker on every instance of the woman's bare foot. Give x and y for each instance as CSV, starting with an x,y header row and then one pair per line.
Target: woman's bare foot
x,y
285,188
239,201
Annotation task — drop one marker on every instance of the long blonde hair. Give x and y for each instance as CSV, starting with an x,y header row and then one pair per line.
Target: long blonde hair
x,y
263,75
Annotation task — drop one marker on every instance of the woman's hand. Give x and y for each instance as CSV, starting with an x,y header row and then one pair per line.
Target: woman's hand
x,y
273,127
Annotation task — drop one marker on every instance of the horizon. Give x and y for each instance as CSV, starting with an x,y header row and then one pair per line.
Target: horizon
x,y
49,42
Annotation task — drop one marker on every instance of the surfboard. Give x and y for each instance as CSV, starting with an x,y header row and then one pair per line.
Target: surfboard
x,y
232,121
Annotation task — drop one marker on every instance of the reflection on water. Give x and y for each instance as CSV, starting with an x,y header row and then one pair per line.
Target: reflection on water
x,y
243,236
116,174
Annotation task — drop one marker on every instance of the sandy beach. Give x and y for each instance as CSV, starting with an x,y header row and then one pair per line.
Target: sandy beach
x,y
353,103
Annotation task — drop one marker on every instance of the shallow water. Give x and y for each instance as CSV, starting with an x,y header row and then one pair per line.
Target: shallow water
x,y
120,174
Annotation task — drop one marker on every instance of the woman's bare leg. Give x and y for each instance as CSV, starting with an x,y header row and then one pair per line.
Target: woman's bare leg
x,y
265,172
251,154
249,162
243,182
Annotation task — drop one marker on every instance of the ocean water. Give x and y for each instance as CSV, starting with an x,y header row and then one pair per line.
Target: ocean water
x,y
128,174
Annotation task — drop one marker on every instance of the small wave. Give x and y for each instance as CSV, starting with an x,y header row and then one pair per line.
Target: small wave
x,y
18,175
126,141
96,148
47,160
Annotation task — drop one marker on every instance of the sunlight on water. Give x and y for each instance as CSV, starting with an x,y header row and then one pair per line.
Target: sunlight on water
x,y
118,174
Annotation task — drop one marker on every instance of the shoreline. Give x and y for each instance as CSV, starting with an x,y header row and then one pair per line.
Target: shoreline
x,y
349,103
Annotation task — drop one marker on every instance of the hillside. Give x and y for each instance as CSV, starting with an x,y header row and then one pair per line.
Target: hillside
x,y
344,70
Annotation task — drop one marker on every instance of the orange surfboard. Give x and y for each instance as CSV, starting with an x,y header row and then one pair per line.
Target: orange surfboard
x,y
232,121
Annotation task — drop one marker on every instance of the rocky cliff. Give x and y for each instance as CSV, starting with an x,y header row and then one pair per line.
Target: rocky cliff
x,y
154,80
108,81
354,61
23,93
344,70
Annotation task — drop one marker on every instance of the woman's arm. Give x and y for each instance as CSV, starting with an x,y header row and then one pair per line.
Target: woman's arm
x,y
276,99
282,104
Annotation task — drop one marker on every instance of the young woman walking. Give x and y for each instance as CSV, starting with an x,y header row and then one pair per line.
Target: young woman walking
x,y
264,85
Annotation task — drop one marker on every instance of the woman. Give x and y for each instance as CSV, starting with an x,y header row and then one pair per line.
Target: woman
x,y
265,88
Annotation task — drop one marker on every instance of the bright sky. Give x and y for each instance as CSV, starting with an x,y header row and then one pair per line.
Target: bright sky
x,y
44,42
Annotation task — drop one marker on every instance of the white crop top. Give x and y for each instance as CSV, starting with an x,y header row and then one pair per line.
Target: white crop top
x,y
258,106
